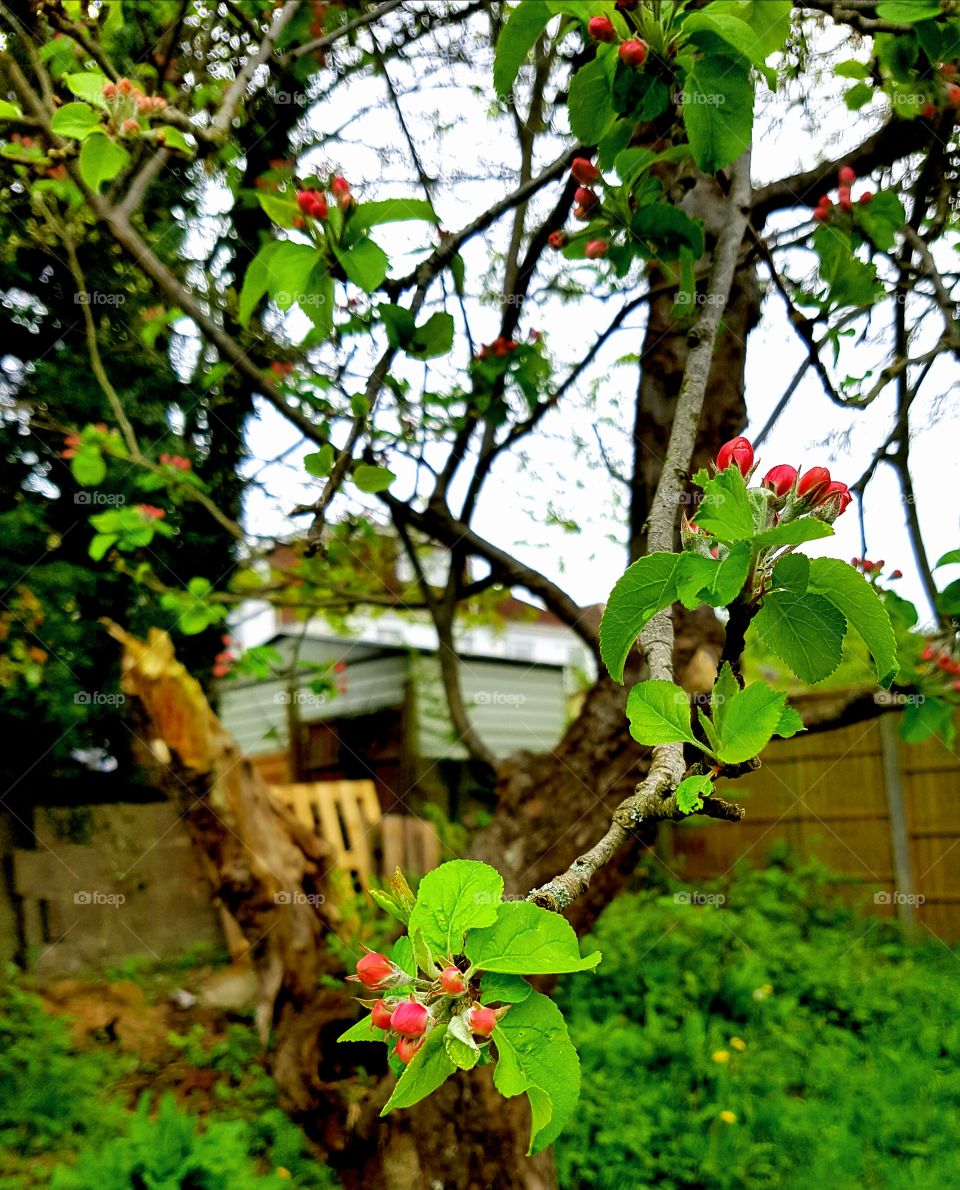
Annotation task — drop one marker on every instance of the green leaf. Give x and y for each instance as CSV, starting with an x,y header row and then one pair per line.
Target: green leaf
x,y
793,533
725,508
730,29
100,545
804,630
645,588
948,601
849,591
950,558
9,111
882,218
281,206
372,479
747,721
460,1053
706,580
536,1056
317,300
172,138
667,230
434,338
908,12
421,953
458,896
590,101
288,272
365,263
769,21
389,905
101,159
89,87
790,723
363,1030
852,69
320,463
718,97
527,940
517,38
793,573
429,1067
849,281
691,791
659,713
931,717
75,119
398,323
496,988
391,210
88,466
256,281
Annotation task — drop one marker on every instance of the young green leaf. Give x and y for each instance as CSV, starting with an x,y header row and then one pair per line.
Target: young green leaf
x,y
590,101
793,533
363,1030
645,588
769,21
517,38
659,713
527,940
256,281
705,580
747,721
372,479
804,630
430,1066
389,905
365,263
536,1056
391,210
320,463
101,159
75,119
434,338
496,988
790,723
725,508
458,896
691,791
851,594
793,573
463,1055
718,97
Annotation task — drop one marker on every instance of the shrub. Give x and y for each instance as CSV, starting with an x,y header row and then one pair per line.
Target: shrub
x,y
780,1040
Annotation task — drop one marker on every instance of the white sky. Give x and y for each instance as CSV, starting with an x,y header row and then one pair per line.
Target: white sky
x,y
812,431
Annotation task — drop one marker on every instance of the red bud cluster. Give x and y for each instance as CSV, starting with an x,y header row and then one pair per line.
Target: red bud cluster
x,y
150,512
814,489
176,461
312,203
500,347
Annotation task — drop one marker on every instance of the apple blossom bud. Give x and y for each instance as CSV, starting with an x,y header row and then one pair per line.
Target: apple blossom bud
x,y
410,1018
834,500
381,1014
595,249
601,29
556,240
584,171
780,479
843,198
452,981
586,198
896,574
866,198
375,970
481,1020
847,175
737,452
109,90
633,53
953,95
812,484
130,126
406,1048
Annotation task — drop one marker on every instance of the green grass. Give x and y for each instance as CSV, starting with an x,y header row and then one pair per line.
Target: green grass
x,y
833,1043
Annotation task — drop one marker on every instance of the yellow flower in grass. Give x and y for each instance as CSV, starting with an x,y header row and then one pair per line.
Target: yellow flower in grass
x,y
728,1117
738,1044
721,1056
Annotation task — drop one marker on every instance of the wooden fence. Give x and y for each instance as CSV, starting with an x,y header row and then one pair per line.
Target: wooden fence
x,y
884,813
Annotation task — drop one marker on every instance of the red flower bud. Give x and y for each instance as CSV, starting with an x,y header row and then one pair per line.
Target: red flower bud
x,y
896,574
928,654
586,198
822,214
633,53
406,1048
375,970
601,29
481,1020
738,452
948,69
843,198
410,1018
595,249
847,176
556,239
124,86
452,982
780,479
928,112
834,500
380,1017
953,95
130,126
151,513
812,484
584,171
109,90
340,187
866,198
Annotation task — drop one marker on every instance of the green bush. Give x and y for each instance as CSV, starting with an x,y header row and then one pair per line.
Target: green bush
x,y
47,1089
778,1040
168,1152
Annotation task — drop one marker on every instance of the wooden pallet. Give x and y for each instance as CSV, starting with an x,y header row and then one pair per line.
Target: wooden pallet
x,y
364,841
